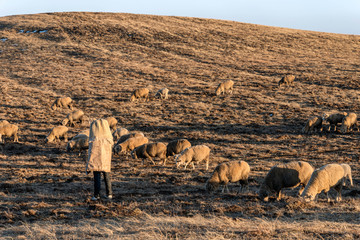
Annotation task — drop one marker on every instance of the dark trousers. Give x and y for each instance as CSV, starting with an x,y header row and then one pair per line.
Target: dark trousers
x,y
97,183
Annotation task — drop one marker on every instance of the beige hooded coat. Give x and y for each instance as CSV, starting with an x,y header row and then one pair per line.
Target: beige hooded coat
x,y
100,147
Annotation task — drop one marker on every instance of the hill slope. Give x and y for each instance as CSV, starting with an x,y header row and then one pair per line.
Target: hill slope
x,y
98,59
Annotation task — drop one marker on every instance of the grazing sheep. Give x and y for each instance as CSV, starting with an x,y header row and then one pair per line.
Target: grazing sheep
x,y
347,173
162,93
62,102
334,119
287,175
312,124
348,122
130,144
193,154
324,178
79,142
177,146
3,123
112,122
286,80
225,88
119,132
140,93
57,132
236,171
149,151
77,115
125,137
9,130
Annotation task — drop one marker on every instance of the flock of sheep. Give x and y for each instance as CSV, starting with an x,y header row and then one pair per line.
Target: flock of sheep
x,y
287,175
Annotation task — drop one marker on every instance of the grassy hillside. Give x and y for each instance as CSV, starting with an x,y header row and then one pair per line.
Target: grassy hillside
x,y
98,59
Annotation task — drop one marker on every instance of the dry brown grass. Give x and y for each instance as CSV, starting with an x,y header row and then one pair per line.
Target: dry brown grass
x,y
98,59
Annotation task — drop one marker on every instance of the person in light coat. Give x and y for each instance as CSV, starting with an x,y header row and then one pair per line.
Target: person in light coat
x,y
99,160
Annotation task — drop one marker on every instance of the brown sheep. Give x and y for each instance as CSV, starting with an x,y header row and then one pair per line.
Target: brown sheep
x,y
140,93
3,123
162,93
193,154
57,132
177,146
348,122
79,142
9,130
130,144
225,88
236,171
112,122
286,80
119,132
149,151
312,124
287,175
73,117
334,119
62,102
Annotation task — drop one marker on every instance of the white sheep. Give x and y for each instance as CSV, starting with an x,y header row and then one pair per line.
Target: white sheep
x,y
324,178
193,154
140,93
73,117
286,175
62,102
79,142
9,130
130,144
347,173
119,132
236,171
334,119
177,146
225,88
112,122
348,122
286,80
57,132
312,124
162,93
150,150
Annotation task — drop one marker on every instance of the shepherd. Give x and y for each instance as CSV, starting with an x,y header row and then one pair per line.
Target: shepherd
x,y
99,160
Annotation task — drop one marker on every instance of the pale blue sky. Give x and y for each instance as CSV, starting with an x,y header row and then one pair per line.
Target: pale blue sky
x,y
338,16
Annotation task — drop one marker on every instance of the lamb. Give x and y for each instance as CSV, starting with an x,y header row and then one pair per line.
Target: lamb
x,y
62,102
140,93
312,124
9,130
322,179
286,80
193,154
177,146
3,123
57,132
112,122
225,87
334,119
130,144
347,173
348,122
162,93
286,175
77,115
79,142
119,132
125,137
236,171
150,150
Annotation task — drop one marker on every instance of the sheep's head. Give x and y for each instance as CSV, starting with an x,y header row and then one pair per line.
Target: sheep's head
x,y
178,160
49,138
117,149
264,192
218,91
325,116
133,154
65,121
212,186
132,98
53,107
308,197
70,146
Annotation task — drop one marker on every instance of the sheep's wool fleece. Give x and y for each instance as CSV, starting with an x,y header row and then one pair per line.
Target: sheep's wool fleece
x,y
100,147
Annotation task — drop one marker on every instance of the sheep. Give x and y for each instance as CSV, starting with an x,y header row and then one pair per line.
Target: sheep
x,y
73,117
140,93
125,137
62,102
286,80
236,171
225,87
177,146
193,154
119,132
56,133
348,122
334,119
3,123
9,130
79,142
162,93
112,122
312,124
324,178
130,144
150,150
347,173
286,175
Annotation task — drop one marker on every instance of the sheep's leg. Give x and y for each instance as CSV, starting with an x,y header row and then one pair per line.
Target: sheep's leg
x,y
327,196
149,157
16,138
65,137
227,189
207,163
278,195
